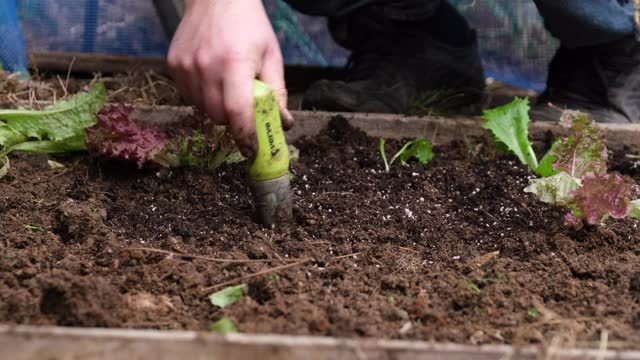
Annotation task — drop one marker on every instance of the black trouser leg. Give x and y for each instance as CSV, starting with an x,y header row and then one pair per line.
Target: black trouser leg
x,y
396,9
357,23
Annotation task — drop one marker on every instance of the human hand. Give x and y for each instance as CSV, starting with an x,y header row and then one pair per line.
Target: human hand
x,y
220,47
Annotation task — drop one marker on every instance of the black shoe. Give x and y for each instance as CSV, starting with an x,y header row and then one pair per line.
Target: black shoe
x,y
602,80
398,67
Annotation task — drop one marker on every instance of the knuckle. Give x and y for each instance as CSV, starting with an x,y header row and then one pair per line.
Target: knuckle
x,y
231,59
178,63
204,60
173,62
236,110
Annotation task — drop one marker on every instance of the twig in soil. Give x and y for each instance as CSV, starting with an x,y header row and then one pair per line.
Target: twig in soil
x,y
63,86
334,193
407,249
321,242
144,95
114,93
52,176
557,343
435,133
259,273
207,258
66,83
152,85
345,256
560,321
376,260
488,214
604,339
32,97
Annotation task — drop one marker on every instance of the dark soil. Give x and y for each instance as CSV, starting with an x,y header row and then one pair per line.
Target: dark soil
x,y
411,254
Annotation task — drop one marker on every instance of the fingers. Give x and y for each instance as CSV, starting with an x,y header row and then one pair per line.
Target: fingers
x,y
209,82
272,73
214,58
237,86
181,66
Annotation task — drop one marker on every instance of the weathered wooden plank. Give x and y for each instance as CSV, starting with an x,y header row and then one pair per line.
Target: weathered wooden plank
x,y
90,63
442,130
26,343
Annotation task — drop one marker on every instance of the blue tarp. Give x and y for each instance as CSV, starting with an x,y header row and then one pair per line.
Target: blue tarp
x,y
13,55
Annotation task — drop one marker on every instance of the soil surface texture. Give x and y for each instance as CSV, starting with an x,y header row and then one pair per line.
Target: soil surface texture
x,y
451,251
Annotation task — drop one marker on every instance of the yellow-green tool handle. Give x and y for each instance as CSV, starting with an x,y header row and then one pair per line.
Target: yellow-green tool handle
x,y
272,158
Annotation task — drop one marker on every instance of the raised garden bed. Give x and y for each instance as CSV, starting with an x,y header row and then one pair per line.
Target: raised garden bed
x,y
451,252
449,260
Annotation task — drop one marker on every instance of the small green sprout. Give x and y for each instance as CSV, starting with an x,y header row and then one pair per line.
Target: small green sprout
x,y
421,149
534,313
472,286
34,228
391,300
227,296
274,278
224,326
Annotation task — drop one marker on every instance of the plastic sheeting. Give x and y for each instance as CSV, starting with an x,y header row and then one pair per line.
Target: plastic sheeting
x,y
12,49
514,45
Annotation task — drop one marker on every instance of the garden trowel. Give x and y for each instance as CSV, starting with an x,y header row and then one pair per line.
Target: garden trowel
x,y
269,170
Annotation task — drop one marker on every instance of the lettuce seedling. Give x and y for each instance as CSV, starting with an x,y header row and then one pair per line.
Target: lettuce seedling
x,y
224,326
581,181
117,136
510,127
58,128
420,149
227,296
574,171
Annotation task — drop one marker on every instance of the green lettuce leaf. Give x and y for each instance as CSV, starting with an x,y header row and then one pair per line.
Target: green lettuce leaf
x,y
9,137
545,167
634,209
57,122
421,149
556,189
227,296
75,143
224,326
4,165
510,126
